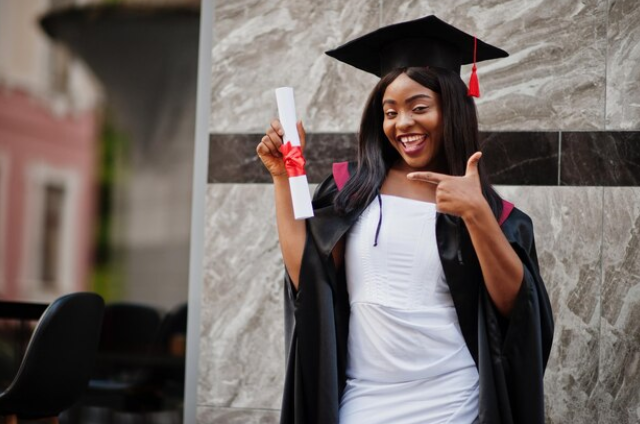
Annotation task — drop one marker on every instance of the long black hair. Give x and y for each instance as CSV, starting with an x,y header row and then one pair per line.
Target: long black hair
x,y
460,138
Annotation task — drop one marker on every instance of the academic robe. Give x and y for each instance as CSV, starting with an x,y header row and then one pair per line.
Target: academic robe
x,y
510,354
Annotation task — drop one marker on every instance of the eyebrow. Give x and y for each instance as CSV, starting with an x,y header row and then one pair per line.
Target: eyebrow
x,y
409,100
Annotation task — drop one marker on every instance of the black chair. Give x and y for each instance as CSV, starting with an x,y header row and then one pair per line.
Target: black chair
x,y
58,361
173,332
171,349
129,328
129,331
123,378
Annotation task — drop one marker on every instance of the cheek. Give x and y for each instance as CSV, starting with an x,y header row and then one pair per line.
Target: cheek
x,y
437,125
387,128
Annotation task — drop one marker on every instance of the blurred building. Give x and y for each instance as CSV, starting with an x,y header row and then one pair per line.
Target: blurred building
x,y
48,131
97,115
96,164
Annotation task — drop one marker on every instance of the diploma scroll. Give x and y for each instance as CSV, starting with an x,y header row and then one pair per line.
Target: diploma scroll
x,y
292,152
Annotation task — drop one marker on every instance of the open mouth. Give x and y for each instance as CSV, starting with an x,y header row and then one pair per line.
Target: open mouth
x,y
412,143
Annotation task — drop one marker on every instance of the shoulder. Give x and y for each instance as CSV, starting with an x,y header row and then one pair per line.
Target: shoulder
x,y
325,192
518,227
516,217
332,184
511,215
341,173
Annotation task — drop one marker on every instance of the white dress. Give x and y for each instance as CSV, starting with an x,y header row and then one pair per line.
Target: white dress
x,y
407,359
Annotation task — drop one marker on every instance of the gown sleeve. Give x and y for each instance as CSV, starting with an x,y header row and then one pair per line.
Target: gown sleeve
x,y
310,338
514,352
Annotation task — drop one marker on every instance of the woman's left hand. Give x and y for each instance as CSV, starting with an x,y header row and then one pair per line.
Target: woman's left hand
x,y
459,196
501,267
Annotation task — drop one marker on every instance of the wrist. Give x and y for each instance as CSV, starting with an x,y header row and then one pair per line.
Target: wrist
x,y
478,213
280,177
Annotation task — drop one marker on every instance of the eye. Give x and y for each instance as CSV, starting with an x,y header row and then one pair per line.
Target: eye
x,y
390,114
420,109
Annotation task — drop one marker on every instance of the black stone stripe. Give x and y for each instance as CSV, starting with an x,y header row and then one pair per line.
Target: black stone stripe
x,y
233,159
521,158
512,158
600,158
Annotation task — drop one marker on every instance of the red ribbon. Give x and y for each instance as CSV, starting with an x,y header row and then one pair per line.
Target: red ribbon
x,y
293,159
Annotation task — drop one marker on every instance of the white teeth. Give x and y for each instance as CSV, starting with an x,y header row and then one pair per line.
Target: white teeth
x,y
410,139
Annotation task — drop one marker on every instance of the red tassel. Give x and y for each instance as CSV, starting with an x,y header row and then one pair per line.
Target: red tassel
x,y
474,87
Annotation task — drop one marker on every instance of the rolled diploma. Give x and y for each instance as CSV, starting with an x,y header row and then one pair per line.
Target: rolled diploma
x,y
299,186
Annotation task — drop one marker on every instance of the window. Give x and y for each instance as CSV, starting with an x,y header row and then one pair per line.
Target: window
x,y
51,237
49,259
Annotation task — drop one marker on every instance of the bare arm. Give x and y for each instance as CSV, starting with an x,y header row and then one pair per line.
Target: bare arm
x,y
502,269
291,232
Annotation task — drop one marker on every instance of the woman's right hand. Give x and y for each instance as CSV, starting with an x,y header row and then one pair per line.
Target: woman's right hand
x,y
268,149
292,233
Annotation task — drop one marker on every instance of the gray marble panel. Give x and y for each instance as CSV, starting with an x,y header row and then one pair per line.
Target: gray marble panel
x,y
620,359
623,65
568,231
242,342
217,415
261,45
555,75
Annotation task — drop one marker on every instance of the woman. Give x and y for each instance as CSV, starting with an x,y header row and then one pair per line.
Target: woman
x,y
414,294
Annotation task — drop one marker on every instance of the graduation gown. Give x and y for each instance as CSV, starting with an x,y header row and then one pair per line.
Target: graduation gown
x,y
510,354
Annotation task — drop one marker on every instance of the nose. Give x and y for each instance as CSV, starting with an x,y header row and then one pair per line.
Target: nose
x,y
405,120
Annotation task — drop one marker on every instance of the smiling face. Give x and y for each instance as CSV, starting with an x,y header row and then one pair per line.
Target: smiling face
x,y
413,124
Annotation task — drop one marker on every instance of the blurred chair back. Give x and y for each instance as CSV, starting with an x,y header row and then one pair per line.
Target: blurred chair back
x,y
173,332
123,377
58,361
129,328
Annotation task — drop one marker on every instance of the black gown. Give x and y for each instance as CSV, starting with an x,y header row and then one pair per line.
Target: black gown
x,y
511,354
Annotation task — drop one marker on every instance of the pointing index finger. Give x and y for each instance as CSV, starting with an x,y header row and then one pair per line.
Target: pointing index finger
x,y
428,177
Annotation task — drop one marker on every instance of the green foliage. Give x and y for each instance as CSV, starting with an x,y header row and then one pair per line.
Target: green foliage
x,y
107,277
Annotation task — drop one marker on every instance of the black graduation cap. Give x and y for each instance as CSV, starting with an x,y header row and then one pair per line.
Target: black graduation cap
x,y
427,41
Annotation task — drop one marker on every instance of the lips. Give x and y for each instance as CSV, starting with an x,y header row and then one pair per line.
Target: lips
x,y
412,143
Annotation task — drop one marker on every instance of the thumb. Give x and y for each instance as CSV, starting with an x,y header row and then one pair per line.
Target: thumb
x,y
472,164
302,133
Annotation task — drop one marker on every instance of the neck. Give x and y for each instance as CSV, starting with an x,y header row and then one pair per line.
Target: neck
x,y
439,166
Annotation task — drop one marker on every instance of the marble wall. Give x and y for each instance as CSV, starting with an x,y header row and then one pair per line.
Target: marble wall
x,y
561,125
573,64
568,224
619,376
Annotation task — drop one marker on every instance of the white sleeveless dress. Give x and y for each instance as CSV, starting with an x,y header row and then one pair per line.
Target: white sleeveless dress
x,y
407,359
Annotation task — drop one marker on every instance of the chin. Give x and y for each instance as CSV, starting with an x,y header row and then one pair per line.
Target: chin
x,y
418,164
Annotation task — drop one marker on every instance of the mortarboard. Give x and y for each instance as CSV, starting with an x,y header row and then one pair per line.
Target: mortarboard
x,y
427,41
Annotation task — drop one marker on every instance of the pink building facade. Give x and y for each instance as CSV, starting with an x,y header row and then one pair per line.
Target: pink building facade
x,y
47,198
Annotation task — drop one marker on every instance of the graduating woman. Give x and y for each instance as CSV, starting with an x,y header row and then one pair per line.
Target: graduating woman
x,y
414,294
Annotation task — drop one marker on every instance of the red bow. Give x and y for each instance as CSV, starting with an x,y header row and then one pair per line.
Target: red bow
x,y
293,159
